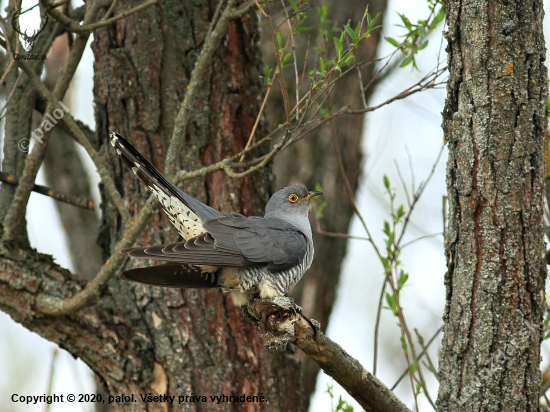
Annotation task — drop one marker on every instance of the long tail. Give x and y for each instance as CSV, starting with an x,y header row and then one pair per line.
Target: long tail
x,y
172,275
186,213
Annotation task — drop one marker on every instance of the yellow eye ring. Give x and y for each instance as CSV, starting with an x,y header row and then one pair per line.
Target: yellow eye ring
x,y
293,198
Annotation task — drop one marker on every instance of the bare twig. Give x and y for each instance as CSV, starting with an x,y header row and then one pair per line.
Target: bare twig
x,y
46,191
417,195
73,26
50,377
110,10
425,348
431,366
259,116
278,58
377,325
295,61
214,18
340,235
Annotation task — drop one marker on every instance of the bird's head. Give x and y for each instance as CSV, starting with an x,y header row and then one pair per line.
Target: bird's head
x,y
293,200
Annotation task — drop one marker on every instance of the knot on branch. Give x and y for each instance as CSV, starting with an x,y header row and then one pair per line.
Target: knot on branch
x,y
276,318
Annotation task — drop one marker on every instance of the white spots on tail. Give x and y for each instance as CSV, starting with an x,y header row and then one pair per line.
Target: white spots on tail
x,y
184,219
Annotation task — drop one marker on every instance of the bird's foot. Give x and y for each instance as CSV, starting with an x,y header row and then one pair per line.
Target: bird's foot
x,y
276,317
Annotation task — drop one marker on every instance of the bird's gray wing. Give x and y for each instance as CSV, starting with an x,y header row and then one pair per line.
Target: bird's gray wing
x,y
235,241
186,213
268,241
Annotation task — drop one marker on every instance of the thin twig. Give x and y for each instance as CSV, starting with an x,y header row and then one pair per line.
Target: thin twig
x,y
416,196
431,366
295,60
278,58
403,183
214,18
340,235
420,238
430,341
50,377
377,325
346,181
46,191
259,116
73,26
110,10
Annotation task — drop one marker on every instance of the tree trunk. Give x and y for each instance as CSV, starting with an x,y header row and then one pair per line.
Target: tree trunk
x,y
494,121
183,342
313,161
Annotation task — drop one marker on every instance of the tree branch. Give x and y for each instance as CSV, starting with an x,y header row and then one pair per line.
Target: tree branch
x,y
46,191
73,26
281,322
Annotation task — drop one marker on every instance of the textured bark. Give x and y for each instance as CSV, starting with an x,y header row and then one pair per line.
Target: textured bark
x,y
494,121
312,161
187,341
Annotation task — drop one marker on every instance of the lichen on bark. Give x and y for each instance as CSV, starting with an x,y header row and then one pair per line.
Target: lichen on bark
x,y
494,122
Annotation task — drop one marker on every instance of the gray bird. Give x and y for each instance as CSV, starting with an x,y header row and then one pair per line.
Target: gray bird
x,y
248,256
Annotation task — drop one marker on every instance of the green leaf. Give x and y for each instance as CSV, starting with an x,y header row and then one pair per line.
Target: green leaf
x,y
403,343
386,229
418,387
285,60
386,182
389,242
413,367
400,212
439,16
338,46
385,263
267,75
280,40
371,21
392,41
349,31
405,21
346,59
403,277
407,60
392,302
322,13
422,46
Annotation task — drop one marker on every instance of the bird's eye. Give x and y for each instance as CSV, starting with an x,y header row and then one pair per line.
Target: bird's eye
x,y
293,198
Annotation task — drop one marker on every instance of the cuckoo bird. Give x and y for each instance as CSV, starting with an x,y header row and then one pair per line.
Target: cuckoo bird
x,y
248,256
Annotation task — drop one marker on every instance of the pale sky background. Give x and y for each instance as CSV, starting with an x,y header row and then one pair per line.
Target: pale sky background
x,y
414,123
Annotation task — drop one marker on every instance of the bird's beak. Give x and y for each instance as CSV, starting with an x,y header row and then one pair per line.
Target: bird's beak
x,y
313,193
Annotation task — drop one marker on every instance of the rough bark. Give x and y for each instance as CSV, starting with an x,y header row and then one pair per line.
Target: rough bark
x,y
312,161
494,121
187,341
